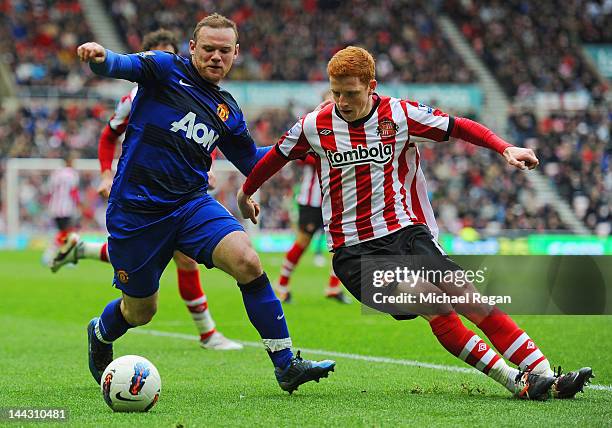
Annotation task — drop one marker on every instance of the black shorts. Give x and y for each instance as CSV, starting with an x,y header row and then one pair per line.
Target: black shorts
x,y
412,241
310,219
64,223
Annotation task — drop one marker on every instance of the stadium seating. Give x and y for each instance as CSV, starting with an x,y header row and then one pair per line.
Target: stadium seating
x,y
574,150
38,40
545,54
294,40
45,128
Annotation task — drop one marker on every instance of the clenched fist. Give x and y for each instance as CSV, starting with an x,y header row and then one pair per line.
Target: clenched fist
x,y
521,157
91,52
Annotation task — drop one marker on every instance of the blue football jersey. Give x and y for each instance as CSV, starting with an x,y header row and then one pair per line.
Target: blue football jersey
x,y
177,120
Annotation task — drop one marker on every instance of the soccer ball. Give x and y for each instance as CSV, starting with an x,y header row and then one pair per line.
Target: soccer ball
x,y
130,384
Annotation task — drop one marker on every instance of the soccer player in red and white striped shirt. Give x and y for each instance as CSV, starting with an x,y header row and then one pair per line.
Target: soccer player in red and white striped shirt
x,y
64,199
375,204
188,272
309,221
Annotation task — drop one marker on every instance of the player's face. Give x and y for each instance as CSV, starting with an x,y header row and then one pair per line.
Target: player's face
x,y
352,96
213,52
165,48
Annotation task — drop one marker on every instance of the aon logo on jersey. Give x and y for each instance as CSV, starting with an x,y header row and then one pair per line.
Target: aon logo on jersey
x,y
197,132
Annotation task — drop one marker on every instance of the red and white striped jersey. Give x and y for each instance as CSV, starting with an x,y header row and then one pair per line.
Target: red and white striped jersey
x,y
310,189
121,116
64,188
371,180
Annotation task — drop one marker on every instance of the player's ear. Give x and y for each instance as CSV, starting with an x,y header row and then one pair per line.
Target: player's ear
x,y
192,46
372,86
237,50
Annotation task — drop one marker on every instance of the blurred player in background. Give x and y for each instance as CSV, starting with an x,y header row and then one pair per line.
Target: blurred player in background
x,y
64,204
159,201
375,203
310,220
187,269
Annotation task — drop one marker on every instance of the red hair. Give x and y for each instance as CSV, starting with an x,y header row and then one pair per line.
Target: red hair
x,y
352,61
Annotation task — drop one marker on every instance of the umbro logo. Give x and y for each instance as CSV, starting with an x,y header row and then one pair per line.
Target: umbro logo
x,y
183,83
482,347
530,345
325,132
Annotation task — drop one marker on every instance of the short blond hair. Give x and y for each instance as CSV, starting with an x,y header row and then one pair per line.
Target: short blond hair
x,y
215,21
352,61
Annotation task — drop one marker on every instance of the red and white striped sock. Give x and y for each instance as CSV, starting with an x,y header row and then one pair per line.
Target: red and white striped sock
x,y
333,287
94,251
291,260
513,343
195,299
467,346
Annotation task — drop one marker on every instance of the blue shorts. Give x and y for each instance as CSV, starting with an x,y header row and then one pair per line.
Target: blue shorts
x,y
140,245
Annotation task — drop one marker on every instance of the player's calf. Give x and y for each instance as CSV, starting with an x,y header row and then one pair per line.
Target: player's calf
x,y
514,343
510,341
467,346
139,311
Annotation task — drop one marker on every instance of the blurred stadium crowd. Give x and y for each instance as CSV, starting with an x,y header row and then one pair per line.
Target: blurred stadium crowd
x,y
528,46
535,45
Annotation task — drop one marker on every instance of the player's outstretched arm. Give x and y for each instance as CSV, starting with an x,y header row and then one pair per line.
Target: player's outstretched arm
x,y
269,165
242,152
476,133
134,67
292,145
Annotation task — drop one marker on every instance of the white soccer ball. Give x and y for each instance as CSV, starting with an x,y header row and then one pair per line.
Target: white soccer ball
x,y
130,384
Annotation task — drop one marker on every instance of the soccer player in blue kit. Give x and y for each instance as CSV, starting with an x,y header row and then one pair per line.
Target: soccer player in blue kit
x,y
158,202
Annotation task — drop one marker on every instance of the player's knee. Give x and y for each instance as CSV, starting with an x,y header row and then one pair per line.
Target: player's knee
x,y
303,238
184,262
247,266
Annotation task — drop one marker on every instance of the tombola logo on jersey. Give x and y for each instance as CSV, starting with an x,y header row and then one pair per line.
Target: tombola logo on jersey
x,y
197,132
380,154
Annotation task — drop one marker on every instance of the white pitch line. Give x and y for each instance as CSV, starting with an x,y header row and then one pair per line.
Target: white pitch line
x,y
371,358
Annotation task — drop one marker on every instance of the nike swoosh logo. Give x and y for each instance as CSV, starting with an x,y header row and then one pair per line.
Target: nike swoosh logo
x,y
120,398
183,83
280,317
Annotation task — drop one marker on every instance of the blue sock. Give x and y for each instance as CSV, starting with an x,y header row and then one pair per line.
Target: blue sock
x,y
267,316
112,325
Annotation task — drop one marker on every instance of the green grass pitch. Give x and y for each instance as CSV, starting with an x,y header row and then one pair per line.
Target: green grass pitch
x,y
43,360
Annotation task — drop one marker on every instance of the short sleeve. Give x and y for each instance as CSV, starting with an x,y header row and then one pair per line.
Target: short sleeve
x,y
294,144
426,123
